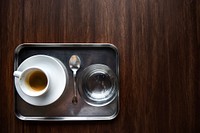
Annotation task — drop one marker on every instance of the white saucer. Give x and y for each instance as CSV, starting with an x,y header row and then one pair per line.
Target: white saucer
x,y
58,79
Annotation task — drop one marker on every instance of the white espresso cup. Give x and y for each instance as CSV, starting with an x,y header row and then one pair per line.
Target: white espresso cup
x,y
33,81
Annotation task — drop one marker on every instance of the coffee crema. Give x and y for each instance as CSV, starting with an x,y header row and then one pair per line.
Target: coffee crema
x,y
37,80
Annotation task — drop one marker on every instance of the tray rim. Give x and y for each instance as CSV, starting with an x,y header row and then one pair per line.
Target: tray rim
x,y
67,118
22,45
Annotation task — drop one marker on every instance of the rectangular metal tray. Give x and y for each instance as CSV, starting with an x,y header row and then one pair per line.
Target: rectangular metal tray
x,y
63,109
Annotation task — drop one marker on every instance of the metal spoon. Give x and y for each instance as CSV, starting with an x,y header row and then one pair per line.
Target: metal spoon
x,y
74,64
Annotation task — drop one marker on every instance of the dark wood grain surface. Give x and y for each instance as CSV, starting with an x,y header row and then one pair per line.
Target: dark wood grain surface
x,y
159,46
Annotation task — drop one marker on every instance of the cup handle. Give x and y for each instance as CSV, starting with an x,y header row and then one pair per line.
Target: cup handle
x,y
17,74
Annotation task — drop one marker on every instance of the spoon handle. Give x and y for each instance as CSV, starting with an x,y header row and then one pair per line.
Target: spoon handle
x,y
74,100
74,78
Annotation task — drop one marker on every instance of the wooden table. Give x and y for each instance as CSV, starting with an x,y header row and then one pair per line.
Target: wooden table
x,y
159,46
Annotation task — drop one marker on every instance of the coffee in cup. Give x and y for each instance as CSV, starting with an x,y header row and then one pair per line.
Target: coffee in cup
x,y
33,81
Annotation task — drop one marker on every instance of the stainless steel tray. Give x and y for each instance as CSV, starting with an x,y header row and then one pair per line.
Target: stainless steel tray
x,y
63,109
